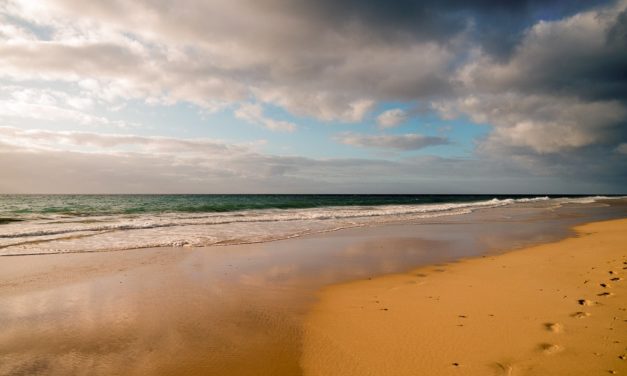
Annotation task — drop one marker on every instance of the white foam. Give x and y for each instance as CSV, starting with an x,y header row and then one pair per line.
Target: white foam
x,y
587,200
534,199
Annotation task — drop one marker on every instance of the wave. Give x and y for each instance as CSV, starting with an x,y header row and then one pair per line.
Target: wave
x,y
4,220
265,215
128,231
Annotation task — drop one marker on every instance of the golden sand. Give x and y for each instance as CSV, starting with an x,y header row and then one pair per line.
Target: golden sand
x,y
552,309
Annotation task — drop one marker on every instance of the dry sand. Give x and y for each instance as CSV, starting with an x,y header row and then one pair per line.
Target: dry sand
x,y
553,309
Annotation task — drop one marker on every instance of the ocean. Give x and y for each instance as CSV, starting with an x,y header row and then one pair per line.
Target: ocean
x,y
44,224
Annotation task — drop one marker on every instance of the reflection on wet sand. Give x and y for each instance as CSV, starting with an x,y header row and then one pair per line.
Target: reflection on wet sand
x,y
232,310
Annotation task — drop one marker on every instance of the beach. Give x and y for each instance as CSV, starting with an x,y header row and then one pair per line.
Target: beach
x,y
552,309
274,307
313,188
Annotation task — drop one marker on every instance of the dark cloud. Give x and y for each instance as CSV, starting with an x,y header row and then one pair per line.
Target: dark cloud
x,y
396,142
558,103
496,25
584,57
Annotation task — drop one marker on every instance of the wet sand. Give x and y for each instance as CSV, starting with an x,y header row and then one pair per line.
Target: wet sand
x,y
232,310
553,309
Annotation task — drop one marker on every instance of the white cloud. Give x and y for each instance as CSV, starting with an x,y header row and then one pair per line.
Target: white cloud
x,y
38,139
391,118
253,113
325,106
541,123
51,106
221,54
13,33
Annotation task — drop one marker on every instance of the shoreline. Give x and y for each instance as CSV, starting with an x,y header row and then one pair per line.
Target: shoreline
x,y
31,272
552,308
118,232
235,310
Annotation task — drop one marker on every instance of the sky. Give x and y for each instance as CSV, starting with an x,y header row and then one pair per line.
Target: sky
x,y
295,96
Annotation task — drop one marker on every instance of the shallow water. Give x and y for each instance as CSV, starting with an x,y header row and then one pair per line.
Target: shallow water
x,y
231,310
61,224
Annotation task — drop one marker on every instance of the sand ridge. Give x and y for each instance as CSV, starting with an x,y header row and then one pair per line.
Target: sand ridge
x,y
552,309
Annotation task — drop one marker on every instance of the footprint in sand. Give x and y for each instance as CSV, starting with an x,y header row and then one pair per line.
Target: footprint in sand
x,y
505,369
580,315
616,279
585,302
550,349
605,294
554,327
605,285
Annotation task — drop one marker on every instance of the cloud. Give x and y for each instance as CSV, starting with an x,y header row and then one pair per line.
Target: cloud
x,y
582,55
546,75
558,103
357,53
541,123
84,162
391,118
404,142
253,113
38,139
493,24
325,106
222,54
46,105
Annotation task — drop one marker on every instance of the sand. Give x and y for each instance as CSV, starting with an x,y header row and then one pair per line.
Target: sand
x,y
240,310
553,309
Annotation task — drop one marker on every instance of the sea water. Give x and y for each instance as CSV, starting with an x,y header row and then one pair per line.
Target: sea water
x,y
43,224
